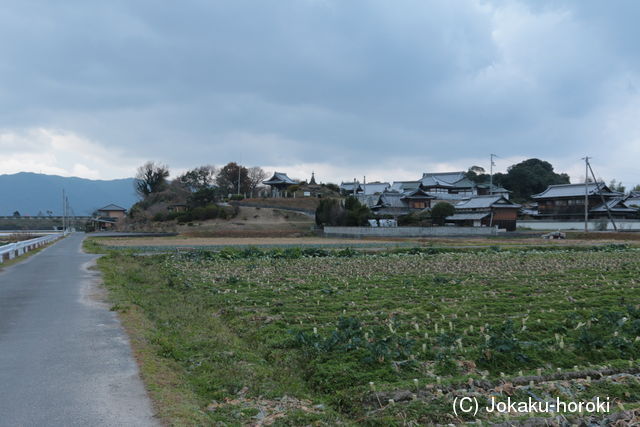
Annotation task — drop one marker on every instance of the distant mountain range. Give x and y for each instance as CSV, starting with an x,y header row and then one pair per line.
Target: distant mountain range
x,y
33,193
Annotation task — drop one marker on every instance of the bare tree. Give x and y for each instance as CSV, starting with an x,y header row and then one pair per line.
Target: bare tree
x,y
151,178
256,176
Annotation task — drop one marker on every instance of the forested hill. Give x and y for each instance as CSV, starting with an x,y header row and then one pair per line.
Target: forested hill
x,y
33,193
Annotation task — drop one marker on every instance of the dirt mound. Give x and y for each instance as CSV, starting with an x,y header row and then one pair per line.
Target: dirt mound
x,y
307,203
252,222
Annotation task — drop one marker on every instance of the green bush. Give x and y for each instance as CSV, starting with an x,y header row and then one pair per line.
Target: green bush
x,y
329,212
440,211
332,212
415,219
203,197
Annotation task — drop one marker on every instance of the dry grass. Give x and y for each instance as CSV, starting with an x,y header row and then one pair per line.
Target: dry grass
x,y
310,203
252,222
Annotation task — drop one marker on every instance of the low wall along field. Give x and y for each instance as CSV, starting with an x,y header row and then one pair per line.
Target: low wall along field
x,y
312,336
409,231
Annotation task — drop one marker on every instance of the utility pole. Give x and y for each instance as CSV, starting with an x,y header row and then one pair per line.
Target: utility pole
x,y
586,194
238,179
491,174
598,189
68,212
364,185
63,210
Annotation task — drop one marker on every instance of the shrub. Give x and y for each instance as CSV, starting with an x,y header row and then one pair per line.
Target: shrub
x,y
415,218
203,197
440,211
329,212
353,213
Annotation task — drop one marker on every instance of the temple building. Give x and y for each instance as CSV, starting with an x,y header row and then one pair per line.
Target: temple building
x,y
279,183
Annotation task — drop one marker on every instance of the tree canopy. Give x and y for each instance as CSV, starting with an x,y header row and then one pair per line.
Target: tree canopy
x,y
331,212
199,178
440,211
529,177
227,179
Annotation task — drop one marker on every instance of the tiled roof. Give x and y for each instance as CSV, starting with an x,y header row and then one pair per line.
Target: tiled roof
x,y
391,200
468,216
112,207
418,193
404,186
348,186
374,187
279,178
446,179
485,202
449,177
617,204
632,200
575,190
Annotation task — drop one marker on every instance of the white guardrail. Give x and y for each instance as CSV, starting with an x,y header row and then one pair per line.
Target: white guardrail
x,y
12,250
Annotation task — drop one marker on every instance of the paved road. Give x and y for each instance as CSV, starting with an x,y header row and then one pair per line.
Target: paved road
x,y
64,358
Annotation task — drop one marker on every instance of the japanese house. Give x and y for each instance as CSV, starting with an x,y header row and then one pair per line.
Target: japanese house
x,y
567,201
489,211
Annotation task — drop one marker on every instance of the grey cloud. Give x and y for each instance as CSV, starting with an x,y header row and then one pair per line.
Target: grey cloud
x,y
317,81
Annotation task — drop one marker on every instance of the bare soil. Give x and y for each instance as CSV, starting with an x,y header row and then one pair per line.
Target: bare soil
x,y
252,222
310,203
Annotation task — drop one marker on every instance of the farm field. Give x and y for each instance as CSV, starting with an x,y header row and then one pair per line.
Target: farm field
x,y
301,336
196,242
186,241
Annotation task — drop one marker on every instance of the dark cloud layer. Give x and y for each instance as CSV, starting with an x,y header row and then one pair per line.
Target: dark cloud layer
x,y
356,85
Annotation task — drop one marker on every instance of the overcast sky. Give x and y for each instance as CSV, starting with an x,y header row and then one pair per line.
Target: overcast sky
x,y
386,89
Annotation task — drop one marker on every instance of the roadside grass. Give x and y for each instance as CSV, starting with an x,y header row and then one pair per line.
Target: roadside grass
x,y
302,336
176,335
95,245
